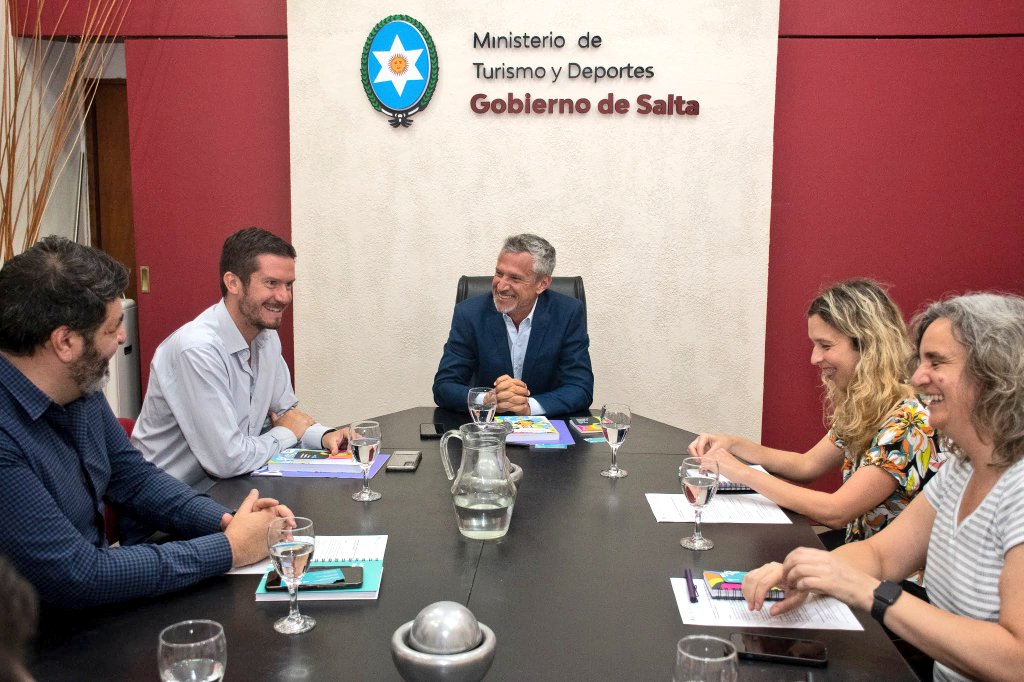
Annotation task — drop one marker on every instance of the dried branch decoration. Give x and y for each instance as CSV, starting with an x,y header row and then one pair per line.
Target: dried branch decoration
x,y
37,137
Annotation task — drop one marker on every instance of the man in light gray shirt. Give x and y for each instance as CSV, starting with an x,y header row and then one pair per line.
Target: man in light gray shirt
x,y
220,401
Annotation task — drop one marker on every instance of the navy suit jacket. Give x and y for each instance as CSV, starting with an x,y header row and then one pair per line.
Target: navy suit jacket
x,y
557,364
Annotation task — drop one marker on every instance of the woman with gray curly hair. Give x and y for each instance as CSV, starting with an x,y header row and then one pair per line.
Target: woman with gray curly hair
x,y
969,523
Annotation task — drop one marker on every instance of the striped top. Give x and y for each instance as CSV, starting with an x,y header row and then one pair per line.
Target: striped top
x,y
964,564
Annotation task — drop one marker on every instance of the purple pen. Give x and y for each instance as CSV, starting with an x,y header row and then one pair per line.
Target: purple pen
x,y
690,587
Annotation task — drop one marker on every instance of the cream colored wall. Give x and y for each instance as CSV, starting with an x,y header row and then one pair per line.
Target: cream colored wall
x,y
666,218
59,216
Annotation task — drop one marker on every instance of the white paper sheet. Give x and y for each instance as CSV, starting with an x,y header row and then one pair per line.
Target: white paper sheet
x,y
817,613
747,508
331,548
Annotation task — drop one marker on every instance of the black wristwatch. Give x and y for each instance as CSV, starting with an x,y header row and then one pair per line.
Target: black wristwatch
x,y
886,595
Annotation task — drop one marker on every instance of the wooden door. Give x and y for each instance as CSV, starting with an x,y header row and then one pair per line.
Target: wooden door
x,y
110,176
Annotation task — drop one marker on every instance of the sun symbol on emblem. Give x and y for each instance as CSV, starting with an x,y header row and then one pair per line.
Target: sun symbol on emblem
x,y
399,68
398,64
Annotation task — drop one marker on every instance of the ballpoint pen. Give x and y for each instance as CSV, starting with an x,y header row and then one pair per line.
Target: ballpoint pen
x,y
690,587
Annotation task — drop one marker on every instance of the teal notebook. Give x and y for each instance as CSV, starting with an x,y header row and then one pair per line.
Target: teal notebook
x,y
370,589
366,551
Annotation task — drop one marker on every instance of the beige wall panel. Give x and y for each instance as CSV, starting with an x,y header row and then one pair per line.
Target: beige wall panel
x,y
665,217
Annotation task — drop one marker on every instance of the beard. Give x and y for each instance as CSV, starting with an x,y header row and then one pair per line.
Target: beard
x,y
251,310
91,371
504,307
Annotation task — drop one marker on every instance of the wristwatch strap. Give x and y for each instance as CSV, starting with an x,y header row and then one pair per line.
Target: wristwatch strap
x,y
325,435
886,595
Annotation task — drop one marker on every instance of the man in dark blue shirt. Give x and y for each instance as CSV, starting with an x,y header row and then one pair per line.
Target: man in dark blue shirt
x,y
63,455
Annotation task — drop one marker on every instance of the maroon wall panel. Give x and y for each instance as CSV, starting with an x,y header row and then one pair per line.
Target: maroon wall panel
x,y
167,17
901,18
208,124
901,160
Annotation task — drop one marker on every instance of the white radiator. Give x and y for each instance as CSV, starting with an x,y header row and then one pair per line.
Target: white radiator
x,y
123,391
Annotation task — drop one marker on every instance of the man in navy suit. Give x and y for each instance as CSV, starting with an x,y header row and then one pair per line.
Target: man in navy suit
x,y
531,344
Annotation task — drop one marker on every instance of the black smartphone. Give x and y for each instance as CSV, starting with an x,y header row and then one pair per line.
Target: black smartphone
x,y
327,578
434,430
404,460
780,649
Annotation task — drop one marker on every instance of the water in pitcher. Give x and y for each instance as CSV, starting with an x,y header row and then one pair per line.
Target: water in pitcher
x,y
483,518
483,494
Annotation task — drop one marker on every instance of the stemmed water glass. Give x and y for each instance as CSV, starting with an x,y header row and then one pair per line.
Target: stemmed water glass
x,y
699,477
364,441
291,540
615,419
702,657
192,650
482,402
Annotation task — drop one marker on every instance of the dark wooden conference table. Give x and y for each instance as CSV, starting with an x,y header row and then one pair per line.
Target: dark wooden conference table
x,y
578,589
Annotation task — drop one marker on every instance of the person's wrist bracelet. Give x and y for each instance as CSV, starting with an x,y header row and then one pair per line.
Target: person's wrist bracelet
x,y
322,447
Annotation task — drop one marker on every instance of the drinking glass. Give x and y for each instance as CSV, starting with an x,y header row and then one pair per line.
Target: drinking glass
x,y
364,441
291,540
705,658
192,650
700,482
482,402
615,425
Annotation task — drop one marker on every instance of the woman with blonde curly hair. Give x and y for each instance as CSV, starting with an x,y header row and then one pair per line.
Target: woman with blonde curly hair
x,y
878,430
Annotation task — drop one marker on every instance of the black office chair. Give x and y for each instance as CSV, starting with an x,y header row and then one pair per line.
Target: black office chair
x,y
570,286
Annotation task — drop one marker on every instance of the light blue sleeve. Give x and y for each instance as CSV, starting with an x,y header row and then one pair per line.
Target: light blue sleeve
x,y
283,399
202,404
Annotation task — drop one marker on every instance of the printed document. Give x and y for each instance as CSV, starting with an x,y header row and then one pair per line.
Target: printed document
x,y
817,613
722,509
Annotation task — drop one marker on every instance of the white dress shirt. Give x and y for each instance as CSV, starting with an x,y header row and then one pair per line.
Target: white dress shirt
x,y
518,340
207,404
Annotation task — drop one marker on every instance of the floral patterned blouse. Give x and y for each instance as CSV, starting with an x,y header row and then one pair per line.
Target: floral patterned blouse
x,y
907,448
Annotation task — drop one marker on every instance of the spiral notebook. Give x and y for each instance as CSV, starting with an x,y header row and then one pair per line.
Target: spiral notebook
x,y
727,486
341,548
729,585
333,550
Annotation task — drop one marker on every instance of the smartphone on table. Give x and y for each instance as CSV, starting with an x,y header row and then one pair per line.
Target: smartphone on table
x,y
435,430
780,649
404,460
327,578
